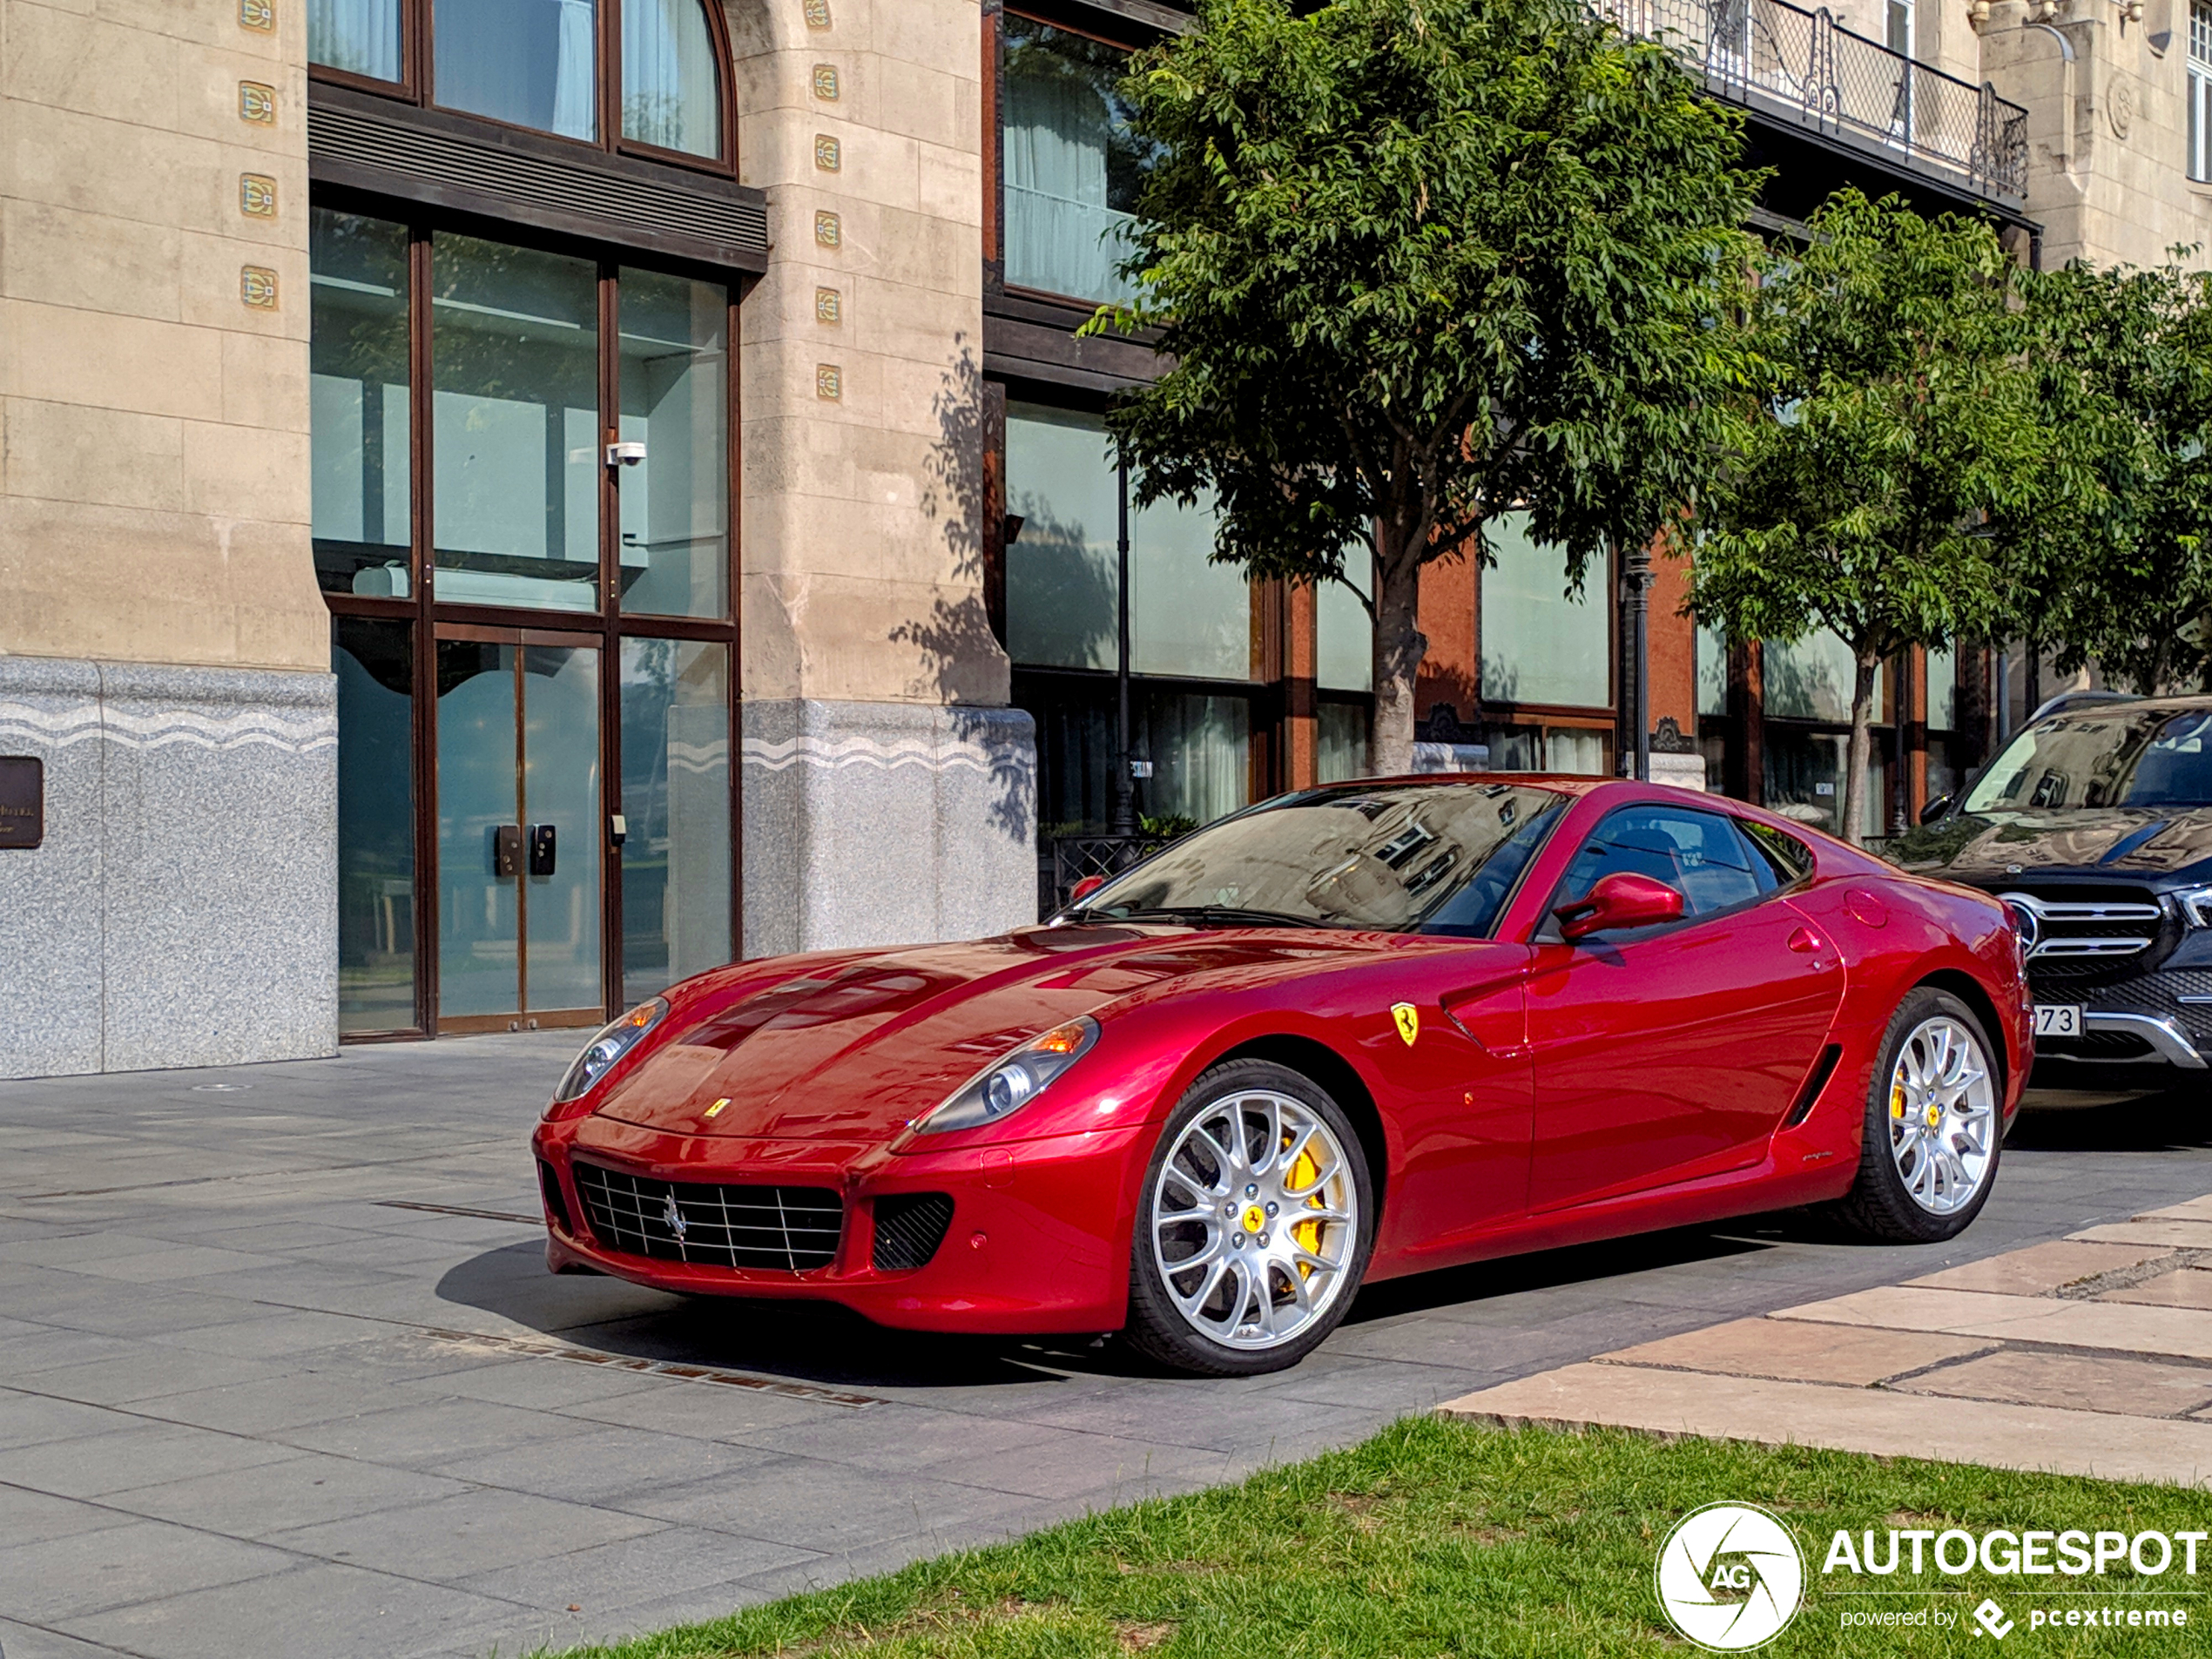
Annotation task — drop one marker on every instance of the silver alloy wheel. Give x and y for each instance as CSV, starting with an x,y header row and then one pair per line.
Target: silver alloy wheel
x,y
1255,1219
1943,1115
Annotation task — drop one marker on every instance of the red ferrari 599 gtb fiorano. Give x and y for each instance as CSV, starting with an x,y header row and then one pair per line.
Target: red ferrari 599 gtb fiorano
x,y
1348,1034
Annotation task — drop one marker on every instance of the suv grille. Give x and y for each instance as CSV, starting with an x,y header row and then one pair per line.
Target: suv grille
x,y
2081,930
787,1228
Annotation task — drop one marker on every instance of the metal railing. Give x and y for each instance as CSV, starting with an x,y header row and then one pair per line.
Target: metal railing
x,y
1062,860
1803,65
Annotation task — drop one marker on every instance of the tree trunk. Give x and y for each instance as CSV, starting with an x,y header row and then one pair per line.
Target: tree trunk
x,y
1860,748
1399,646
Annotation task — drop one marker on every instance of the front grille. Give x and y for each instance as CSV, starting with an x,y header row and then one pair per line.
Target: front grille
x,y
556,1207
908,1228
2085,931
788,1228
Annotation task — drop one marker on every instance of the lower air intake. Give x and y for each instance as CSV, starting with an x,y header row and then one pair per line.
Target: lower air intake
x,y
788,1228
908,1228
556,1209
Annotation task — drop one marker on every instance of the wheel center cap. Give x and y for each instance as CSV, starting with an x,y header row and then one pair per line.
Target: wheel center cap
x,y
1254,1218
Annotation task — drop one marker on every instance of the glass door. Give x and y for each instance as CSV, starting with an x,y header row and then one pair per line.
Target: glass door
x,y
520,853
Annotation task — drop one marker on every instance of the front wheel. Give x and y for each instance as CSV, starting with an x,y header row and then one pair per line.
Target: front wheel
x,y
1256,1221
1934,1121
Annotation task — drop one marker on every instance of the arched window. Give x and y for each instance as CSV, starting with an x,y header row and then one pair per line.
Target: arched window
x,y
538,63
669,83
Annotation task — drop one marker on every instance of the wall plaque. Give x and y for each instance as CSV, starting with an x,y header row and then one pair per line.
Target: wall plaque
x,y
23,800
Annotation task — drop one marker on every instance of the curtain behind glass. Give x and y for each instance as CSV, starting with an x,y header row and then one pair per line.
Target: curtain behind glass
x,y
1062,581
1072,170
1943,690
668,79
1538,645
361,37
1339,741
530,62
1712,671
1200,748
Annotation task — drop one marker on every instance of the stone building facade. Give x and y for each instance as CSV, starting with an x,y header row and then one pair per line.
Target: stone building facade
x,y
506,503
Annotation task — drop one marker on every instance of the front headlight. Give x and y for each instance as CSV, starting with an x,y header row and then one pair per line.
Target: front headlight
x,y
614,1041
2197,905
1009,1085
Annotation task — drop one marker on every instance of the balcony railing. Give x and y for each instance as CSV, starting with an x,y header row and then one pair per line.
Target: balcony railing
x,y
1805,66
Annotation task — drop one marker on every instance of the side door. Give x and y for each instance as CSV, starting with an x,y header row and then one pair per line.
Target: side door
x,y
1662,1054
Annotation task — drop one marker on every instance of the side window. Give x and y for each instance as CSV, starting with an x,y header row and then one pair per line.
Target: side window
x,y
1789,855
1698,854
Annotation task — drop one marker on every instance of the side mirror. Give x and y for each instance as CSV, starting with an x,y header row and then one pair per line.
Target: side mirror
x,y
1621,901
1085,888
1936,808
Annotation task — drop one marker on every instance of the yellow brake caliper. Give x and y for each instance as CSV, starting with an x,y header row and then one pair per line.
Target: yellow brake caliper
x,y
1304,1173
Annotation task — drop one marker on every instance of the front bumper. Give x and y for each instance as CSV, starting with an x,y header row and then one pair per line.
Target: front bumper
x,y
2161,1018
1038,1241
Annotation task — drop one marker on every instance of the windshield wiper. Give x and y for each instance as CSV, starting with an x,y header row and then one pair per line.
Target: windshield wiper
x,y
1220,915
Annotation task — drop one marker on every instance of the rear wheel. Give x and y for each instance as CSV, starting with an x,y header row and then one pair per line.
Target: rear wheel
x,y
1934,1122
1255,1224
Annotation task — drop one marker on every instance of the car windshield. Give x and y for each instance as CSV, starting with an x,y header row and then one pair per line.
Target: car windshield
x,y
2114,754
1437,858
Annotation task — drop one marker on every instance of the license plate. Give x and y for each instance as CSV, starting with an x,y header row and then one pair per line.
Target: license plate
x,y
2058,1019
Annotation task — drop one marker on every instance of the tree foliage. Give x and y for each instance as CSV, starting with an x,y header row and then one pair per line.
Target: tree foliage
x,y
2108,557
1894,413
1418,262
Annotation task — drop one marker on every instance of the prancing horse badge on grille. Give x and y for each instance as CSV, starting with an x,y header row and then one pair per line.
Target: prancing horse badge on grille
x,y
674,1218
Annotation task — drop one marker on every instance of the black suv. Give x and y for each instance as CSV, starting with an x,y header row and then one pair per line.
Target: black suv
x,y
2094,824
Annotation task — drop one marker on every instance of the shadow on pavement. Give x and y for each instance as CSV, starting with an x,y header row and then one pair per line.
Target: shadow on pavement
x,y
2083,1118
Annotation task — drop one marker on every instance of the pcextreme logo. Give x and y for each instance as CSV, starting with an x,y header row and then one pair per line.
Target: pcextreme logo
x,y
1730,1577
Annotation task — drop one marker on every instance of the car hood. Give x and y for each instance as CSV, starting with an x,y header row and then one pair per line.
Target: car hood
x,y
1984,848
858,1049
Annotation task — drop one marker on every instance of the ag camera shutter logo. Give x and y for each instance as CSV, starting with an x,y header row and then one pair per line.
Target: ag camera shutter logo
x,y
1730,1577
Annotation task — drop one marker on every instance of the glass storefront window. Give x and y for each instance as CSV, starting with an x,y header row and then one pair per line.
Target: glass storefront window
x,y
1804,773
669,92
357,395
1187,616
1073,169
1811,679
1200,748
361,37
1538,645
1943,690
533,63
1061,571
1344,633
375,665
675,555
675,800
1712,671
1199,745
1339,741
515,426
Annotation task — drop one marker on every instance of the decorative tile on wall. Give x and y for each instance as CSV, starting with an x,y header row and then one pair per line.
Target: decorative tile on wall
x,y
826,87
829,230
829,382
260,16
257,287
829,155
829,306
257,103
257,195
818,13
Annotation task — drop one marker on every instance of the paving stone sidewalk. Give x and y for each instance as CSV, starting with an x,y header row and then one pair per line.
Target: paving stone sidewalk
x,y
2086,1355
281,1372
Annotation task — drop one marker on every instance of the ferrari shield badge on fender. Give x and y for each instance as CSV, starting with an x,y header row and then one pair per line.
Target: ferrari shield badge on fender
x,y
1409,1020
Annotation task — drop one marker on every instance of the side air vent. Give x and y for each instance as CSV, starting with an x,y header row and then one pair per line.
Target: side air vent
x,y
1816,1079
557,1208
421,155
908,1228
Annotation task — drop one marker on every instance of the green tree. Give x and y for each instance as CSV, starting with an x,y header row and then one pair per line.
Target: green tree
x,y
2108,556
1418,262
1894,411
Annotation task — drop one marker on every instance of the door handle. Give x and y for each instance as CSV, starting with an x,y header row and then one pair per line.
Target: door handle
x,y
506,850
542,849
1806,943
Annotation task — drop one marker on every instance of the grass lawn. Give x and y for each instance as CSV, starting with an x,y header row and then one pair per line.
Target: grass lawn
x,y
1438,1537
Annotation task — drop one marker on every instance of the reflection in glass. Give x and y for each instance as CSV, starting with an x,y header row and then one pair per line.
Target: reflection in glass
x,y
1344,633
361,37
1340,741
668,80
479,918
1538,645
1712,671
1811,679
675,558
358,402
1073,168
561,919
1187,616
1060,580
530,62
514,439
1943,690
1803,774
676,797
375,665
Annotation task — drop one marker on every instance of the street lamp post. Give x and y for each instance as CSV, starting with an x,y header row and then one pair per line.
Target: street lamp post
x,y
1125,797
1636,575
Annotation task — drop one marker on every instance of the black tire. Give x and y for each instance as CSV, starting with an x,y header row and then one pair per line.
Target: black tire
x,y
1156,1327
1879,1206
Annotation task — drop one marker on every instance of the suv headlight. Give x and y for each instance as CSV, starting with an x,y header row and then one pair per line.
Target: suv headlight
x,y
614,1040
2196,906
1009,1085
